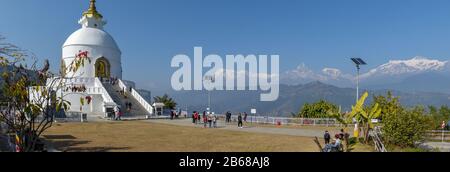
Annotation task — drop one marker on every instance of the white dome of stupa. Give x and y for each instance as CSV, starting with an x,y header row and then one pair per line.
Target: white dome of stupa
x,y
91,36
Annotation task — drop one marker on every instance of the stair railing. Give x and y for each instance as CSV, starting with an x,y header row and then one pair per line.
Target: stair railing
x,y
147,106
100,89
376,137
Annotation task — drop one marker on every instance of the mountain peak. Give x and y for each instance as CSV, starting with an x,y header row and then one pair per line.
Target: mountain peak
x,y
414,65
420,58
316,84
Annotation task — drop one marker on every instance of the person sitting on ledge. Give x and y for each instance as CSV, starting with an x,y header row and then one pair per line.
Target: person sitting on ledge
x,y
335,146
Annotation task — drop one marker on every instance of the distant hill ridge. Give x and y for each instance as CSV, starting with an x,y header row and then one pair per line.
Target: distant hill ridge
x,y
292,99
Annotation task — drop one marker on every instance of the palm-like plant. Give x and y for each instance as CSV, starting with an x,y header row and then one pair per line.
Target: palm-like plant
x,y
364,116
168,102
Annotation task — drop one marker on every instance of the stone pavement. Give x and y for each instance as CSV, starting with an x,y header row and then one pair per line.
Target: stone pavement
x,y
264,130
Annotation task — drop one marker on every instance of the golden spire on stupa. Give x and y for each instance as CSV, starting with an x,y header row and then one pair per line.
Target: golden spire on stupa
x,y
92,11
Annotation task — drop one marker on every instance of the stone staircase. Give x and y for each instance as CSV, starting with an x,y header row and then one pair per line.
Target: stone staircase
x,y
136,109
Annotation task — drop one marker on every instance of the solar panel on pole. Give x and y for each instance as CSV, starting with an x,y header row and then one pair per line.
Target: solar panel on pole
x,y
358,62
355,61
361,62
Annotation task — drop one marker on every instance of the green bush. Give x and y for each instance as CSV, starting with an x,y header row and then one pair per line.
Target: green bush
x,y
320,109
406,127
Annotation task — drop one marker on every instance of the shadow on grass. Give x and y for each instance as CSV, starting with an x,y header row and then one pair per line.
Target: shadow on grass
x,y
79,146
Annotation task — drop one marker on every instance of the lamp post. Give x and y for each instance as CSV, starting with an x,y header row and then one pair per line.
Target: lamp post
x,y
211,79
358,62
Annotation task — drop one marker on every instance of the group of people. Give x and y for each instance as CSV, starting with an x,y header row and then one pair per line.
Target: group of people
x,y
113,80
128,105
228,117
174,114
76,88
242,117
210,119
337,144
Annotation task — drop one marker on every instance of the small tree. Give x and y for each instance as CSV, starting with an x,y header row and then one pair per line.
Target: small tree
x,y
388,104
31,94
364,116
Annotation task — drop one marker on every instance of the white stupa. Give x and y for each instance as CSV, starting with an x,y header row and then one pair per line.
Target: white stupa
x,y
102,48
93,77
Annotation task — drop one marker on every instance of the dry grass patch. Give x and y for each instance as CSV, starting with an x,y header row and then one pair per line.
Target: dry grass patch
x,y
140,136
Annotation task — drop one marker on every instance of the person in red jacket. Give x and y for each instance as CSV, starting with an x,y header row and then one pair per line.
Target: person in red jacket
x,y
197,118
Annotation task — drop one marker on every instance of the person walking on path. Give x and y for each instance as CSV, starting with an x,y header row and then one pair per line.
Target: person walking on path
x,y
171,114
245,116
228,117
327,137
205,119
215,121
210,118
118,114
195,117
240,120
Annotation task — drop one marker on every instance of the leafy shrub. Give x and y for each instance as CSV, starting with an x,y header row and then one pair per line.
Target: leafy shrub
x,y
406,127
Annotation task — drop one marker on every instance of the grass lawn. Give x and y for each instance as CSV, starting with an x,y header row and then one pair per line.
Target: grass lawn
x,y
139,136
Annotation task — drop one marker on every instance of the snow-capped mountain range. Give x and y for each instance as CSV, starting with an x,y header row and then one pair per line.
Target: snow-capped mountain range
x,y
415,65
396,74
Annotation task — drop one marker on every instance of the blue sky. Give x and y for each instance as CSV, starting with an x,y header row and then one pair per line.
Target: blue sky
x,y
319,33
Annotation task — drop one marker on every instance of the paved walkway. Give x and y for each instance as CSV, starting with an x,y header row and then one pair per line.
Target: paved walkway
x,y
441,146
265,130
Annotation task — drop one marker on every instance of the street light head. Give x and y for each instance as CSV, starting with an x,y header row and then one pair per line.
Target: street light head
x,y
358,61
